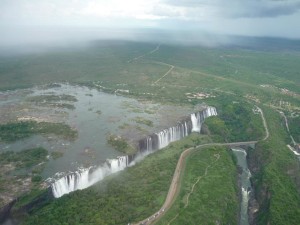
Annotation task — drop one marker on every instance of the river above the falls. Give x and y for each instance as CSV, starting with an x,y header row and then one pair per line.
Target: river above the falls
x,y
94,114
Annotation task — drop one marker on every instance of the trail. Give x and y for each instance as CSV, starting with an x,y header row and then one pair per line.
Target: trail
x,y
198,179
172,67
147,53
175,183
287,126
192,189
161,63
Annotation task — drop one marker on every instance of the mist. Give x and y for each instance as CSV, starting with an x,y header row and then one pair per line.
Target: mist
x,y
22,40
18,40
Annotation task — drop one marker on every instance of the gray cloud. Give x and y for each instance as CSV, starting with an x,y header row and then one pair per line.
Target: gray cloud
x,y
32,21
243,8
267,8
190,3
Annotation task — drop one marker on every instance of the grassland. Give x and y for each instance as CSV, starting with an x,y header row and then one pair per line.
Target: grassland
x,y
144,121
248,66
294,125
235,76
235,122
52,98
127,196
275,176
104,61
60,101
131,195
24,159
208,192
14,131
232,70
20,172
120,144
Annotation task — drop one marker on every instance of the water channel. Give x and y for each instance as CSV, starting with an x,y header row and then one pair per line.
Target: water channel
x,y
245,184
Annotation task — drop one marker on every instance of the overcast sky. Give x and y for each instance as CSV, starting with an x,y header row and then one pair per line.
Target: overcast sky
x,y
279,18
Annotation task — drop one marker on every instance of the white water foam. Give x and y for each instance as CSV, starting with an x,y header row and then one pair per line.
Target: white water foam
x,y
85,177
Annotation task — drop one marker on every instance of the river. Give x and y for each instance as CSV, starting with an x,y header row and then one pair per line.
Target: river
x,y
245,184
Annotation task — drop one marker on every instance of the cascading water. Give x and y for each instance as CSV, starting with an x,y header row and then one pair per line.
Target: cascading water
x,y
84,178
198,118
149,144
165,137
120,164
245,183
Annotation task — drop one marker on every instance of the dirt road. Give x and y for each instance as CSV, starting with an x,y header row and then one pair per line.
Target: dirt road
x,y
175,184
264,123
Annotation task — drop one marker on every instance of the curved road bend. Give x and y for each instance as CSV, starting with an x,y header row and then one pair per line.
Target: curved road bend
x,y
264,123
174,187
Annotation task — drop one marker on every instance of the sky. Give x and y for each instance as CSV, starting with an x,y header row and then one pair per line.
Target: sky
x,y
38,19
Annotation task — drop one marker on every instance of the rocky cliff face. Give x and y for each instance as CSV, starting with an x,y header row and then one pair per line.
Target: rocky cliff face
x,y
260,196
12,210
5,211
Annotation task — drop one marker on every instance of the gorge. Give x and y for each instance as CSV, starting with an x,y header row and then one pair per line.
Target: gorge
x,y
85,177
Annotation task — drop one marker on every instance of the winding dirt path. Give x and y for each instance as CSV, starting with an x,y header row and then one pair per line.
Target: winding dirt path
x,y
199,178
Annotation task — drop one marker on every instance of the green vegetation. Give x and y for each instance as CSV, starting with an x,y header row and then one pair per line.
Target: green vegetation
x,y
106,61
24,159
239,78
127,196
294,125
120,144
230,71
214,198
52,98
57,105
20,172
275,176
33,196
14,131
56,154
36,178
54,101
58,101
249,66
98,112
235,122
144,121
124,126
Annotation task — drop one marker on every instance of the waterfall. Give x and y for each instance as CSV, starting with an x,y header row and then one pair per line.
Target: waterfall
x,y
195,123
166,136
184,128
199,117
149,144
118,164
84,178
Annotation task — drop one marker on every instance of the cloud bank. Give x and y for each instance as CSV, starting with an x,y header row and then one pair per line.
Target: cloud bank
x,y
18,18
